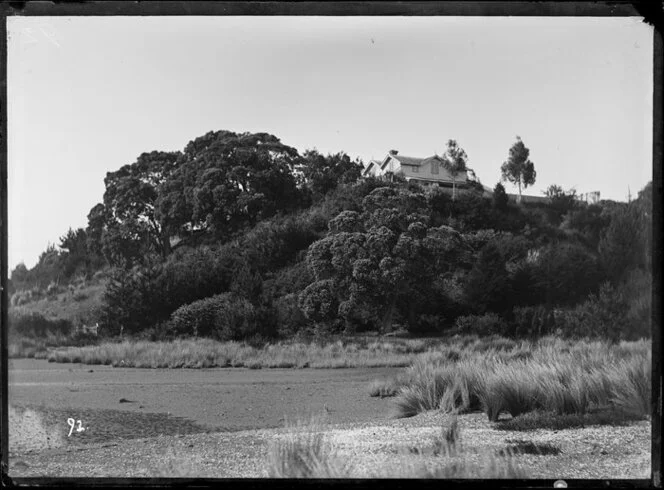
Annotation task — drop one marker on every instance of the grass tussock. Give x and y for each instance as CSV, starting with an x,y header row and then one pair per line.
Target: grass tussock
x,y
384,388
449,442
551,376
305,452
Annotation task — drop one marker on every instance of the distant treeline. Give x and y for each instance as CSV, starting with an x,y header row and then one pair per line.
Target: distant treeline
x,y
241,237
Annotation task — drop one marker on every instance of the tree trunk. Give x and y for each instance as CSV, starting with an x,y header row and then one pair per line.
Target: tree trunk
x,y
386,321
519,183
453,187
165,244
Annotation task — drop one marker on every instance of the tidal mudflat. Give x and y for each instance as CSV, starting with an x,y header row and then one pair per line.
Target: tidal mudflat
x,y
121,403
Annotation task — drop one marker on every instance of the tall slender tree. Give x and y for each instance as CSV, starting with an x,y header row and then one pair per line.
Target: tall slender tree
x,y
454,160
518,169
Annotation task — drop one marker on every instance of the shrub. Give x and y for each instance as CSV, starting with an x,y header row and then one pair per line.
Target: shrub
x,y
532,321
288,280
487,324
488,286
33,324
603,315
500,198
289,316
318,302
623,243
52,289
473,212
566,273
22,297
588,221
80,296
223,317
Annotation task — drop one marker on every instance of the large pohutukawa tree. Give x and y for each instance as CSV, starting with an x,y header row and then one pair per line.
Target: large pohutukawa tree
x,y
379,266
125,226
228,180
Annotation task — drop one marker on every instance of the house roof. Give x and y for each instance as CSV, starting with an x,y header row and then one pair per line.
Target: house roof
x,y
430,159
408,160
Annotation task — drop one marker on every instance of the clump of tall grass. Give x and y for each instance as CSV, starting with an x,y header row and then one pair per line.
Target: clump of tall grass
x,y
437,383
557,376
384,388
449,441
631,389
305,452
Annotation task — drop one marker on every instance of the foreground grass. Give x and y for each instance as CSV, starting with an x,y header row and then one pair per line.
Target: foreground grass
x,y
549,376
306,452
206,353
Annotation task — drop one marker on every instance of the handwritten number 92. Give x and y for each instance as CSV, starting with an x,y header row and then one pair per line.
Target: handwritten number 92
x,y
72,424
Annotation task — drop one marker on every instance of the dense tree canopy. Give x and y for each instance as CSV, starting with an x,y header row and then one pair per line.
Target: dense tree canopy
x,y
323,173
227,180
241,230
382,265
125,226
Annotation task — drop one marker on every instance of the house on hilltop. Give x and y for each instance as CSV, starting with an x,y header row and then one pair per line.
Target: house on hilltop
x,y
429,171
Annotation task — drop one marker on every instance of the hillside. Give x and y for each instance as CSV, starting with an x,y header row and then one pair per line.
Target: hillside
x,y
226,240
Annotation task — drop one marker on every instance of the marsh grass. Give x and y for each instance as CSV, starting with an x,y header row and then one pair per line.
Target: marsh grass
x,y
206,353
552,376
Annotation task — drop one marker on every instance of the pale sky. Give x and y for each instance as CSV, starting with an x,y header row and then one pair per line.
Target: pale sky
x,y
87,95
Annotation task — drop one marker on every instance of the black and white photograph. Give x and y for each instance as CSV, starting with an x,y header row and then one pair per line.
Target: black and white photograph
x,y
329,245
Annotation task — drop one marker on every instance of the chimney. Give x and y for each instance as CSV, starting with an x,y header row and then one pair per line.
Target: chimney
x,y
394,152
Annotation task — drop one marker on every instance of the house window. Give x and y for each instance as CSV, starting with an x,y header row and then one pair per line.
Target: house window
x,y
434,167
415,168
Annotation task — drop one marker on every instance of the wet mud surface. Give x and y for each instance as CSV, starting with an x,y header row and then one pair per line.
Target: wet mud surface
x,y
129,403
